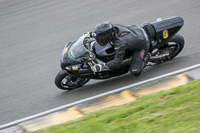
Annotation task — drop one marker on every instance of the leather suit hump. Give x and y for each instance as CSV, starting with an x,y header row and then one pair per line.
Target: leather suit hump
x,y
127,38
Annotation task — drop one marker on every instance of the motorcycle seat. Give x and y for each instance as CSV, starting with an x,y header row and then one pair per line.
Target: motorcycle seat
x,y
150,31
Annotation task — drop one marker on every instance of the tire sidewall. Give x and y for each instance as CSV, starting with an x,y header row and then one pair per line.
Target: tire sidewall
x,y
58,80
60,76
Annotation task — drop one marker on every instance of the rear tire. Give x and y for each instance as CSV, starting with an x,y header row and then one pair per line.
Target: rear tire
x,y
174,46
65,81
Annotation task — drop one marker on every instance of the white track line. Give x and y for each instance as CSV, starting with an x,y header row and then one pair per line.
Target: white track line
x,y
97,96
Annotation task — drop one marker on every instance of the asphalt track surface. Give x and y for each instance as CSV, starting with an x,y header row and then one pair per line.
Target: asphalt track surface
x,y
33,34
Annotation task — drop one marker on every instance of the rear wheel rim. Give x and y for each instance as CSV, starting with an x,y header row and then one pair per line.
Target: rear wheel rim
x,y
172,48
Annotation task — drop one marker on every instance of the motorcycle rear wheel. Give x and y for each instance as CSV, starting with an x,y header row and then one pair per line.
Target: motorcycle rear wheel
x,y
172,47
65,81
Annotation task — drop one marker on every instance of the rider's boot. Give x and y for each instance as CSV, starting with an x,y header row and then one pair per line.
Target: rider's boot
x,y
137,70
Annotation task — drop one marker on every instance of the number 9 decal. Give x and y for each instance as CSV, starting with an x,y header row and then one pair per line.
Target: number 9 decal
x,y
165,34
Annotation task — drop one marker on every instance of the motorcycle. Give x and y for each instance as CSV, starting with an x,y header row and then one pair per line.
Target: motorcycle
x,y
79,57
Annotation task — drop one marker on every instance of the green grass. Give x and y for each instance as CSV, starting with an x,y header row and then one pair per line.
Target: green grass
x,y
172,111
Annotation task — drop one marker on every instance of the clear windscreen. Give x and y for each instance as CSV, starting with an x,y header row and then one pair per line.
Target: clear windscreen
x,y
77,51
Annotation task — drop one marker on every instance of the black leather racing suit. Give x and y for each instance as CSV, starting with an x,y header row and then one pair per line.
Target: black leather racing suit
x,y
129,38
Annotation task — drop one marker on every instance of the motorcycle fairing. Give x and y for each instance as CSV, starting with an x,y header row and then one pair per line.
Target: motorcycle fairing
x,y
164,29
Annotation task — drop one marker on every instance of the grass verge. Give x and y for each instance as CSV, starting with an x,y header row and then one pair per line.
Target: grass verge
x,y
173,111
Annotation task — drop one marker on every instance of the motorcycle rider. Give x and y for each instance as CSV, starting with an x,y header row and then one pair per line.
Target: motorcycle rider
x,y
124,39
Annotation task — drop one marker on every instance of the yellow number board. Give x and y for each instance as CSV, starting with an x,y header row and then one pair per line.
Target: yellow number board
x,y
165,34
64,50
74,67
159,19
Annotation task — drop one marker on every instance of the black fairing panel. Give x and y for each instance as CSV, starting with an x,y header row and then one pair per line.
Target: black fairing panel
x,y
64,60
167,23
167,27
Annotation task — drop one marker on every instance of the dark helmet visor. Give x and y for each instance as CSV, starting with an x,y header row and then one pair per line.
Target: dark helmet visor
x,y
104,38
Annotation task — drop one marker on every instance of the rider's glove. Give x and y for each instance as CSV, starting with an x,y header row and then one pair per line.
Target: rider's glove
x,y
100,67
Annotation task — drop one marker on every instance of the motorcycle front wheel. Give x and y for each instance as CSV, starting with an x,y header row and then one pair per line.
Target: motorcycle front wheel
x,y
65,81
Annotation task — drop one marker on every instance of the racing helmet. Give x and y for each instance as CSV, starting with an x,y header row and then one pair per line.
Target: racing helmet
x,y
104,33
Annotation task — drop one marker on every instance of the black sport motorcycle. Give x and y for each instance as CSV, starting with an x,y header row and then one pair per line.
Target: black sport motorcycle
x,y
79,57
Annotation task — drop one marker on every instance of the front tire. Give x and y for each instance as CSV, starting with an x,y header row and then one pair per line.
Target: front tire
x,y
65,81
